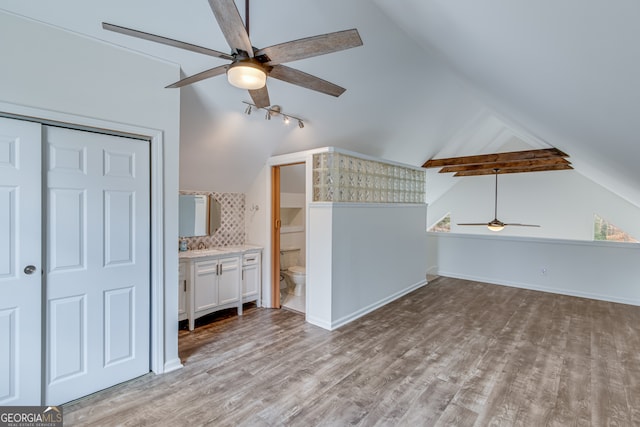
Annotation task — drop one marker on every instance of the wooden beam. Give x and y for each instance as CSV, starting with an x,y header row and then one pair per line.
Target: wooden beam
x,y
504,165
496,157
491,171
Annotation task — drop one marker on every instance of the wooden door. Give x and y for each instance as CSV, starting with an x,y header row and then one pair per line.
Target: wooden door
x,y
275,237
97,262
20,247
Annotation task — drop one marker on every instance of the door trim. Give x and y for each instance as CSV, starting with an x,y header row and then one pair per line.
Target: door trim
x,y
157,361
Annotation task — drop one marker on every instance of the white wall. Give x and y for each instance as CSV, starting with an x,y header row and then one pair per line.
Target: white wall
x,y
55,71
563,203
257,226
599,270
362,256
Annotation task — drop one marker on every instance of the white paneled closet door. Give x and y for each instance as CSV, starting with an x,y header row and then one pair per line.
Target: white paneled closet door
x,y
97,261
20,263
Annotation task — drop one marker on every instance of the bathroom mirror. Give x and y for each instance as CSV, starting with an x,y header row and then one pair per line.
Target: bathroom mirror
x,y
199,215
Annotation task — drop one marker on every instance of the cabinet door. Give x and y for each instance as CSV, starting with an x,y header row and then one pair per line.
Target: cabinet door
x,y
205,292
182,291
250,280
229,280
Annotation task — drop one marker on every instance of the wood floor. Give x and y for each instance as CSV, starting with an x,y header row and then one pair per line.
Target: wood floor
x,y
453,353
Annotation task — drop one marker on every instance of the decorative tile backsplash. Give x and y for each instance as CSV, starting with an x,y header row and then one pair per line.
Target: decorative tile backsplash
x,y
231,231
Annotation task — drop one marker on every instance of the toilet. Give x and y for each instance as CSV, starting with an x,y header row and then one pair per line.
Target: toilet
x,y
294,274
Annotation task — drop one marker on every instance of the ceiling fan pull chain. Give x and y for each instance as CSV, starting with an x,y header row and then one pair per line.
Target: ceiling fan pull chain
x,y
495,206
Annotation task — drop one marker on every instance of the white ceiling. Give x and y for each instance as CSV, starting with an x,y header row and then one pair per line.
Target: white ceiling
x,y
434,78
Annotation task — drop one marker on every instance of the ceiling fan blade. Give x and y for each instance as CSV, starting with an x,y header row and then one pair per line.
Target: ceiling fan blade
x,y
260,97
521,225
165,41
475,223
297,77
200,76
231,24
311,46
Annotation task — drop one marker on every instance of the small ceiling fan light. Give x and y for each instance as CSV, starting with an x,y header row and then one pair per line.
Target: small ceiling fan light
x,y
246,74
286,120
300,124
495,227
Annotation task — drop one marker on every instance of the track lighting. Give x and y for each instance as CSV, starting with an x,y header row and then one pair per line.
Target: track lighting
x,y
274,110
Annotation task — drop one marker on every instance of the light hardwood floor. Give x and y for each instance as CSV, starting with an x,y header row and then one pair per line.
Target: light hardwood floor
x,y
453,353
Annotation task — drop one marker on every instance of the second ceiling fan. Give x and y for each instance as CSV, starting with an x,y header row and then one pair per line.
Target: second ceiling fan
x,y
250,66
495,224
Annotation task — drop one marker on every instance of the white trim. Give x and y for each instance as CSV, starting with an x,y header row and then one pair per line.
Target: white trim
x,y
302,156
318,322
156,360
365,205
538,240
376,305
305,157
558,291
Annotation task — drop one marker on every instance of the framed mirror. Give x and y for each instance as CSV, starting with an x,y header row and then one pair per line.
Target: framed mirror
x,y
199,215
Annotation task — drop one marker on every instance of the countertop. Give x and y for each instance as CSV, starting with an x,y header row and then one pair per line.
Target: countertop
x,y
223,250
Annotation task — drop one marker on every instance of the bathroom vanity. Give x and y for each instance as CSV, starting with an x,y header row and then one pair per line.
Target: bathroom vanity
x,y
218,278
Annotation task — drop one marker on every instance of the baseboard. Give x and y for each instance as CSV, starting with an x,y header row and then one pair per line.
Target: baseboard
x,y
318,322
368,309
551,290
432,271
172,365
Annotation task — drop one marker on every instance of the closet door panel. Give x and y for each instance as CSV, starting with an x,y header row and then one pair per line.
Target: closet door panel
x,y
20,267
98,235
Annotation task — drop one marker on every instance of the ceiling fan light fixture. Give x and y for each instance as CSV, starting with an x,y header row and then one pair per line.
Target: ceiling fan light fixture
x,y
495,225
247,74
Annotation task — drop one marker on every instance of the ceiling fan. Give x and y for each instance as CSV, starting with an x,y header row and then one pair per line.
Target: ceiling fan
x,y
250,66
496,224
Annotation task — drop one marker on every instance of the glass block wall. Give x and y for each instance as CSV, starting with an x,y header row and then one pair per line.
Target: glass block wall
x,y
339,177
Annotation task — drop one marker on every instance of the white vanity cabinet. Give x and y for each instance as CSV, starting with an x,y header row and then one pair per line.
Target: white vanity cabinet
x,y
251,276
218,278
182,290
216,285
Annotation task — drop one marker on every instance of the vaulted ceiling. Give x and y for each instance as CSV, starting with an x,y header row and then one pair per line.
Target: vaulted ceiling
x,y
434,78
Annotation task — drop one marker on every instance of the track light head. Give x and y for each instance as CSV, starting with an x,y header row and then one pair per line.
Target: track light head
x,y
247,111
286,120
300,124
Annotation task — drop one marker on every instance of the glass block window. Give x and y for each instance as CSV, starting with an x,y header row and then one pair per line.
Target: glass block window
x,y
604,230
442,226
342,178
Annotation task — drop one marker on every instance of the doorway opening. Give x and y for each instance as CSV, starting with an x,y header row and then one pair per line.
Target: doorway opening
x,y
288,242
